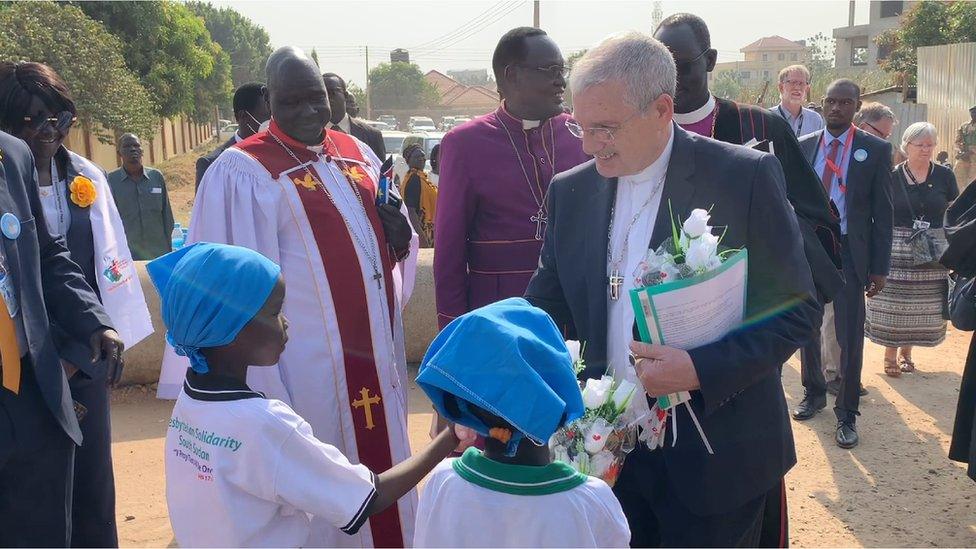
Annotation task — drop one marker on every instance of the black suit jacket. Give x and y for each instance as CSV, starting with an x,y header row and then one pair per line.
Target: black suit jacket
x,y
47,282
869,210
370,136
819,225
204,162
741,404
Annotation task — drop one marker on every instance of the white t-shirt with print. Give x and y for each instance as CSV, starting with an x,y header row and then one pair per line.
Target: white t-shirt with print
x,y
246,471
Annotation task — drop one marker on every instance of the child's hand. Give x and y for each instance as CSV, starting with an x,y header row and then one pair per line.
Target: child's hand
x,y
466,437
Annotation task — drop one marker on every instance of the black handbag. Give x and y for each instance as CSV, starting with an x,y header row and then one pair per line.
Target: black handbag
x,y
962,304
927,244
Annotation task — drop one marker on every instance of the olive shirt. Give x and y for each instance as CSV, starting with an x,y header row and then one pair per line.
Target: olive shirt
x,y
144,206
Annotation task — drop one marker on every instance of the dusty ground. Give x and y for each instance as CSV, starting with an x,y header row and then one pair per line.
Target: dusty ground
x,y
896,489
180,173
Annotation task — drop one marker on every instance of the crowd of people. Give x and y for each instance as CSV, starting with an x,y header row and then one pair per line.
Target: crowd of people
x,y
293,431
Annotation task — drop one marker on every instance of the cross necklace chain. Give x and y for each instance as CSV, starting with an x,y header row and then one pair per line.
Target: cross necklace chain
x,y
615,279
374,245
541,217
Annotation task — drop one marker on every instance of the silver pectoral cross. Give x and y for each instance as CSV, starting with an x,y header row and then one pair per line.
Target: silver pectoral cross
x,y
616,282
540,219
378,278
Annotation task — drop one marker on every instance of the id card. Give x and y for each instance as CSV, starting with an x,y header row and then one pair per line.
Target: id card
x,y
919,224
7,290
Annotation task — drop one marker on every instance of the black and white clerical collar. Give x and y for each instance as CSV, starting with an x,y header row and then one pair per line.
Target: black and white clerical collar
x,y
216,388
696,115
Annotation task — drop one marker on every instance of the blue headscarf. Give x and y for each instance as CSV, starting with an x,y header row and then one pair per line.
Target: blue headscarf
x,y
507,358
209,292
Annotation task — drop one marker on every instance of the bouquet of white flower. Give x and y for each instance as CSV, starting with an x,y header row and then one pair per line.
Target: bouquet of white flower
x,y
597,443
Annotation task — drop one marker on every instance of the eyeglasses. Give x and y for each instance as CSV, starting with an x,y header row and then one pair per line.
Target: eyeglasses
x,y
553,71
61,122
795,83
684,65
877,132
599,134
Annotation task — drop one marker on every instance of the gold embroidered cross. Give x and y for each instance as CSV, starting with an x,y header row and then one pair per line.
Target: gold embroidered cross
x,y
366,402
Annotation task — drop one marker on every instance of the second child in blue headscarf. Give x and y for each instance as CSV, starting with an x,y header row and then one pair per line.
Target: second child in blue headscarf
x,y
504,371
243,470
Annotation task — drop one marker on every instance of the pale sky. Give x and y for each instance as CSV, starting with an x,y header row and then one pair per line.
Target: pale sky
x,y
461,34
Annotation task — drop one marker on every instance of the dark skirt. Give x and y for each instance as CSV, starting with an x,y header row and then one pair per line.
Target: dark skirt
x,y
963,446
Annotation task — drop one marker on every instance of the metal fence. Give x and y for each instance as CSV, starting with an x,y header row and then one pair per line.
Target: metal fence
x,y
947,85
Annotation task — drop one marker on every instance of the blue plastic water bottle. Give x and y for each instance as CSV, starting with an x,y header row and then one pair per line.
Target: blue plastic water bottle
x,y
176,237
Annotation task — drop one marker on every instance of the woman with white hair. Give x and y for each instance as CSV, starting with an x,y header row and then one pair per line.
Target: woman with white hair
x,y
910,310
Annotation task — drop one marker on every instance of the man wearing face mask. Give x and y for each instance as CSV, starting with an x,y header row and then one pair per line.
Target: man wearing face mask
x,y
605,215
251,111
306,197
342,120
495,173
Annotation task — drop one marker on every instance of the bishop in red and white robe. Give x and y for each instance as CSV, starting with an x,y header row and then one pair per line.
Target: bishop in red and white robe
x,y
344,368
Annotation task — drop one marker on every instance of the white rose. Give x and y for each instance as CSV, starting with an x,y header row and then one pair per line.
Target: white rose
x,y
596,436
622,395
596,392
701,251
697,223
574,350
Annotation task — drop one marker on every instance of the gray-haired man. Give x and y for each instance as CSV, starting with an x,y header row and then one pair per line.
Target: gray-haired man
x,y
645,166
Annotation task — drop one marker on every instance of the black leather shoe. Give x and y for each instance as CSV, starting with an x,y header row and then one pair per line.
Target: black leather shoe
x,y
863,391
846,434
809,406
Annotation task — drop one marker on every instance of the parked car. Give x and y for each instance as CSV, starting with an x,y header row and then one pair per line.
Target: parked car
x,y
447,123
427,140
389,120
421,124
393,141
377,124
227,131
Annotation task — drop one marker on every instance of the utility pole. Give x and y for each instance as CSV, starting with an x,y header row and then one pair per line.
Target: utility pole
x,y
656,16
369,113
535,14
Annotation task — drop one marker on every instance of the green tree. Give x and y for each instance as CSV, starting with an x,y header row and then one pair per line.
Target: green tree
x,y
928,23
171,51
400,86
104,89
358,93
247,43
727,85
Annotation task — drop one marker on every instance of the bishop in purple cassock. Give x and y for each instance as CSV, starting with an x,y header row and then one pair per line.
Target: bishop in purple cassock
x,y
494,177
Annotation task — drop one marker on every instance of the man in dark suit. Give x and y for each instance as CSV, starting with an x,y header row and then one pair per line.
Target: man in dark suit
x,y
250,110
603,216
40,428
855,169
343,121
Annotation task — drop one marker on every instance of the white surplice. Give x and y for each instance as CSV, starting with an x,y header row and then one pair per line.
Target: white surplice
x,y
240,203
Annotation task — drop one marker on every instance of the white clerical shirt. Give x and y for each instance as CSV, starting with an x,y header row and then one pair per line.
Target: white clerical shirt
x,y
632,192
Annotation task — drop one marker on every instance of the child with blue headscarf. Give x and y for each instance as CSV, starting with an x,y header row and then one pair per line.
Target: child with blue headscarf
x,y
504,371
243,470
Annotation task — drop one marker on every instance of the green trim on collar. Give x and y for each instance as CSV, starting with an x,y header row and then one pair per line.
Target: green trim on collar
x,y
521,480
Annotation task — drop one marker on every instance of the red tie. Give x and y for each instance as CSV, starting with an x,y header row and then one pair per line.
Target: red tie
x,y
828,175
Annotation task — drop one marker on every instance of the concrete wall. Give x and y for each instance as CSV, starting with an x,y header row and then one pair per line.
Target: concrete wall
x,y
143,361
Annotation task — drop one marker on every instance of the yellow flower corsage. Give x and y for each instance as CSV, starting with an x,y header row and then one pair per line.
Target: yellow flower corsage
x,y
82,191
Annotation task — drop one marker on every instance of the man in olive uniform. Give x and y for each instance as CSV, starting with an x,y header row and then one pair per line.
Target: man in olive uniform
x,y
966,151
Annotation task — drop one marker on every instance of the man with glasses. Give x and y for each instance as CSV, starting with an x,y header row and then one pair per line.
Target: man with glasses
x,y
494,178
794,87
143,202
855,169
605,215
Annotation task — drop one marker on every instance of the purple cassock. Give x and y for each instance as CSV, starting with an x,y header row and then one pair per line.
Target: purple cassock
x,y
494,174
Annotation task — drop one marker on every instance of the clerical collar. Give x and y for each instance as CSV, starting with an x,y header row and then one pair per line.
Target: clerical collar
x,y
696,115
526,124
237,137
657,170
275,129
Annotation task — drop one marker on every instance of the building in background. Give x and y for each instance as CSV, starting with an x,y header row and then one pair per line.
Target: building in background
x,y
764,58
458,98
855,46
472,77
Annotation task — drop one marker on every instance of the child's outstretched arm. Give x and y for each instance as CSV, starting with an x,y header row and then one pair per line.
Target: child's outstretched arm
x,y
396,481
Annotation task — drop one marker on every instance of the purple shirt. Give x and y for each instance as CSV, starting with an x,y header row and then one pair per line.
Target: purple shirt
x,y
484,239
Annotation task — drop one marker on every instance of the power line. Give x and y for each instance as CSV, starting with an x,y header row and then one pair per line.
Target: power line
x,y
498,6
478,29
